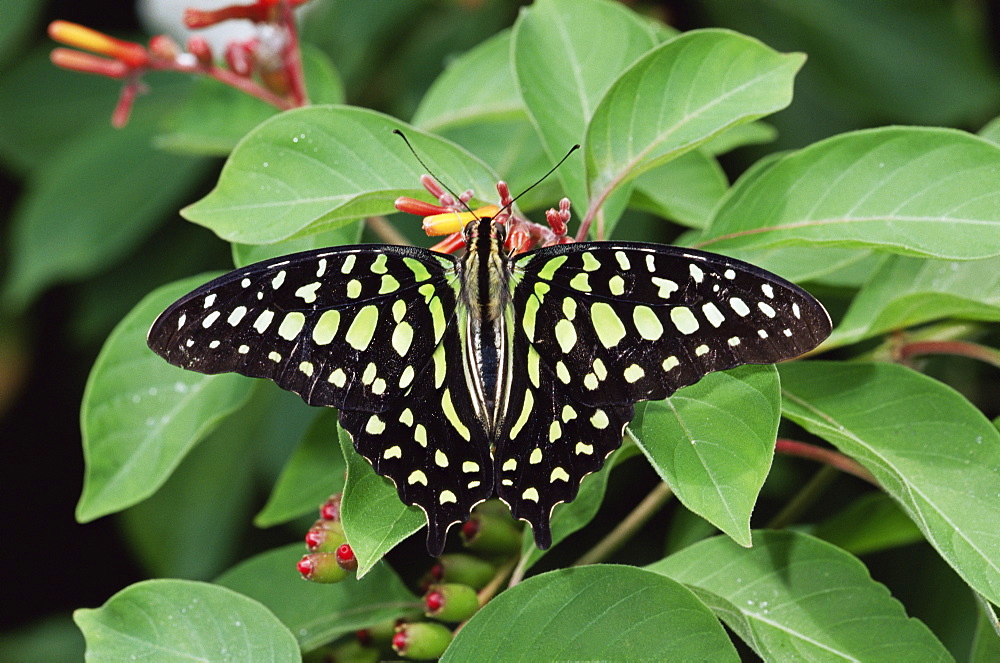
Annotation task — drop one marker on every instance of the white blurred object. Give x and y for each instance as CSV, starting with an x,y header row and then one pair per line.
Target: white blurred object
x,y
166,17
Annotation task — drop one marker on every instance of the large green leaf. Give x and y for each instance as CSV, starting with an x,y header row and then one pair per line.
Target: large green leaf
x,y
216,116
908,291
598,612
92,203
685,190
316,168
713,442
793,597
375,520
314,613
927,446
476,87
313,473
678,96
909,190
182,620
172,532
870,523
140,415
564,63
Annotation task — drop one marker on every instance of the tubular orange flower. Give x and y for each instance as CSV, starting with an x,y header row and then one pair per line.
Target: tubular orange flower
x,y
87,63
132,54
451,222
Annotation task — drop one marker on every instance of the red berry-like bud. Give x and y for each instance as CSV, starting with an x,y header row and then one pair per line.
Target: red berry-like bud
x,y
305,566
346,558
437,571
364,636
325,536
434,600
470,528
399,641
330,509
200,49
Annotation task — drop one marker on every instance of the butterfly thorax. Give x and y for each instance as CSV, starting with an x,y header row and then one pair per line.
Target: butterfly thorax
x,y
486,299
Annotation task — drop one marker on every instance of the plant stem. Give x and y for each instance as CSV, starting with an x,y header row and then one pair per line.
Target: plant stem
x,y
627,527
805,498
386,231
826,456
962,348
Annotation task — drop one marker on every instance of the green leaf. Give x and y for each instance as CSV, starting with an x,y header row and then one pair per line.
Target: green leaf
x,y
374,518
713,443
17,26
910,190
597,612
90,205
678,96
793,597
908,291
685,190
315,471
741,135
927,446
564,62
172,532
140,415
477,87
991,131
314,613
182,620
37,121
871,523
316,168
246,254
922,62
216,116
570,517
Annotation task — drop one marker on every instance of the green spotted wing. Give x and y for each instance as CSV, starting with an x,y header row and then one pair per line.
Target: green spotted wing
x,y
368,330
599,326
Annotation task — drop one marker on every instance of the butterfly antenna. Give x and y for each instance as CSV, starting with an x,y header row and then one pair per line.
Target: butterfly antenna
x,y
429,172
542,178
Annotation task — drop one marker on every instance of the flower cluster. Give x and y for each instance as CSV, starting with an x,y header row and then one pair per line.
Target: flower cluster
x,y
268,66
450,216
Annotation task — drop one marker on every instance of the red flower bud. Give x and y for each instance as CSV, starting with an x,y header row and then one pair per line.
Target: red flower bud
x,y
87,63
346,558
200,48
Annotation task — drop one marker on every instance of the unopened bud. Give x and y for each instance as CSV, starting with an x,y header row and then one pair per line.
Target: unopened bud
x,y
321,567
325,536
491,534
465,569
451,602
421,641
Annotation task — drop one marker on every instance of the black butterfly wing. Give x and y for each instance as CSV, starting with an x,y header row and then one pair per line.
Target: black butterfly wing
x,y
600,326
369,330
346,327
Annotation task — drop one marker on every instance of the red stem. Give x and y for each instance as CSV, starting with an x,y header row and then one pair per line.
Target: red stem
x,y
962,348
293,58
822,455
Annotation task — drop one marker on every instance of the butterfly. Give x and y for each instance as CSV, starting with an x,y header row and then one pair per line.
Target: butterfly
x,y
489,374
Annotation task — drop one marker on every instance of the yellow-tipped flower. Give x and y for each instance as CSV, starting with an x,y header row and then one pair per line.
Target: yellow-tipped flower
x,y
453,222
72,34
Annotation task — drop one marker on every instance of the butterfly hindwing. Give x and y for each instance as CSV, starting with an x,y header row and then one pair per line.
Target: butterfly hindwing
x,y
620,322
345,327
549,441
430,443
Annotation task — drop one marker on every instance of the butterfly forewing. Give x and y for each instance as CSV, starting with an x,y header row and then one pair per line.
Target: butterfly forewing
x,y
346,327
622,322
